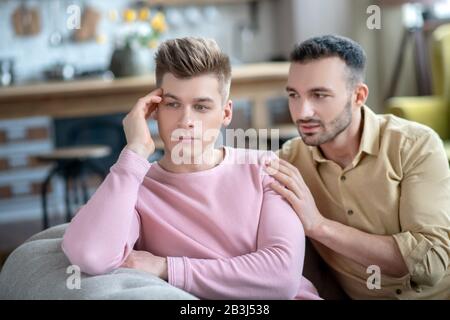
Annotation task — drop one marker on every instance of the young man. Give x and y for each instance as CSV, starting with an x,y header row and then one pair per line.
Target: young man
x,y
374,190
204,219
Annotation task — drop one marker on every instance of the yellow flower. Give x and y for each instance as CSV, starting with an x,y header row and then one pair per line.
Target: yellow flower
x,y
153,43
129,15
158,22
144,14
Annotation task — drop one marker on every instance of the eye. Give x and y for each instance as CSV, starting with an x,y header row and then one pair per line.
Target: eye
x,y
293,95
200,107
320,95
173,104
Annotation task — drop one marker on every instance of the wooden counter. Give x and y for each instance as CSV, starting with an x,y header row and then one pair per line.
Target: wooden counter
x,y
256,82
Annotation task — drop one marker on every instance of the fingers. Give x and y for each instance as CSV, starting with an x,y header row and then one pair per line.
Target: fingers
x,y
279,167
285,193
155,96
156,92
126,263
151,108
128,259
287,180
288,169
149,103
292,168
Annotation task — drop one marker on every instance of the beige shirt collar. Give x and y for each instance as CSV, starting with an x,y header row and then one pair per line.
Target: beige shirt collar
x,y
370,140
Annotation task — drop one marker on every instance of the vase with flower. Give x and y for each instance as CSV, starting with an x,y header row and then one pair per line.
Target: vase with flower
x,y
136,42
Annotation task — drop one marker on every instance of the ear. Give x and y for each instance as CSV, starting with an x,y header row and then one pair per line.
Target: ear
x,y
361,94
227,113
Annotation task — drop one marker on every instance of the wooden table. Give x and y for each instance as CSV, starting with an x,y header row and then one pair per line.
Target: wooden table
x,y
256,82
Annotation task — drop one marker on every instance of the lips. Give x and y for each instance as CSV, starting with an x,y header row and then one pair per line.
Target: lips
x,y
309,128
186,138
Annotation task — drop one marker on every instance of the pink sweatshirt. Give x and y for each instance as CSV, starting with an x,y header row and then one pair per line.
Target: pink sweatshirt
x,y
226,234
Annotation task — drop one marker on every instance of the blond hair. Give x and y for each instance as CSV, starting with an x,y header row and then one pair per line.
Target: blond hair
x,y
189,57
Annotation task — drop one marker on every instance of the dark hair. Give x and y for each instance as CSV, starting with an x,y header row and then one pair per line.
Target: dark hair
x,y
333,46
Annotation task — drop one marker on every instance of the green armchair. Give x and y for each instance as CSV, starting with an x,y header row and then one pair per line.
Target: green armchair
x,y
433,111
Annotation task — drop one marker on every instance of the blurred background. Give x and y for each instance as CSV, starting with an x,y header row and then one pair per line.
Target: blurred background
x,y
70,70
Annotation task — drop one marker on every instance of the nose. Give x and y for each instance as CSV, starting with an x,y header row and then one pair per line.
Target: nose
x,y
305,109
186,121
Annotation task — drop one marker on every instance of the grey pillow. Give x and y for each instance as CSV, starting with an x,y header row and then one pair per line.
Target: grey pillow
x,y
38,269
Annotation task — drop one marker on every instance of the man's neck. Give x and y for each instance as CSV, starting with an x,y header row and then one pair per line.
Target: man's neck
x,y
210,159
344,147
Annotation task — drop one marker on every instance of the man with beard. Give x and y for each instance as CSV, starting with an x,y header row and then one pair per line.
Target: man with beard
x,y
372,191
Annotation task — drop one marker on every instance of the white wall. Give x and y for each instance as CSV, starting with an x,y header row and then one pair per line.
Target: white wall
x,y
33,54
301,19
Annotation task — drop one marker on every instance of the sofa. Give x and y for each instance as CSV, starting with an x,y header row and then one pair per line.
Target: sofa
x,y
39,270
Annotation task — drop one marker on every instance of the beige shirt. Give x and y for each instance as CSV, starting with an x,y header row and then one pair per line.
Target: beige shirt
x,y
399,185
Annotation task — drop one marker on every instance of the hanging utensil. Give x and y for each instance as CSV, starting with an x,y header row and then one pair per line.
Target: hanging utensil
x,y
89,21
25,20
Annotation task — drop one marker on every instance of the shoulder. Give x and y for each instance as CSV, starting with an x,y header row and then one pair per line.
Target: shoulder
x,y
411,145
407,135
291,149
249,156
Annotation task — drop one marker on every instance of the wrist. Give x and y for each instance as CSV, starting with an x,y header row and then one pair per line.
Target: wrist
x,y
321,231
139,149
163,269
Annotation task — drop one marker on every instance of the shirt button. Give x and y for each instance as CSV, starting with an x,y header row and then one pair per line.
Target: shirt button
x,y
343,178
398,291
350,212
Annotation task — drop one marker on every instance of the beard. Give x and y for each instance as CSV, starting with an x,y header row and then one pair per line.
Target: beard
x,y
329,131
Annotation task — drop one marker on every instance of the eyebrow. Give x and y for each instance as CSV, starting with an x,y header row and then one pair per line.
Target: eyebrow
x,y
315,89
169,95
320,89
199,99
203,99
291,89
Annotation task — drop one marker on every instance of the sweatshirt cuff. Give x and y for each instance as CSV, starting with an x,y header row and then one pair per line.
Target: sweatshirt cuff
x,y
177,272
131,161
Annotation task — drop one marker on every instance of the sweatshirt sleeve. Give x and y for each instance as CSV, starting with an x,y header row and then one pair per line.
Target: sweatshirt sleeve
x,y
105,229
273,271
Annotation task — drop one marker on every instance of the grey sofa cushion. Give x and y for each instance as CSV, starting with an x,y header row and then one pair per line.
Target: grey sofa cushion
x,y
38,269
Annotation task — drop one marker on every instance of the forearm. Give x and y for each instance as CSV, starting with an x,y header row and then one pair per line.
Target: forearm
x,y
98,235
272,273
364,248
